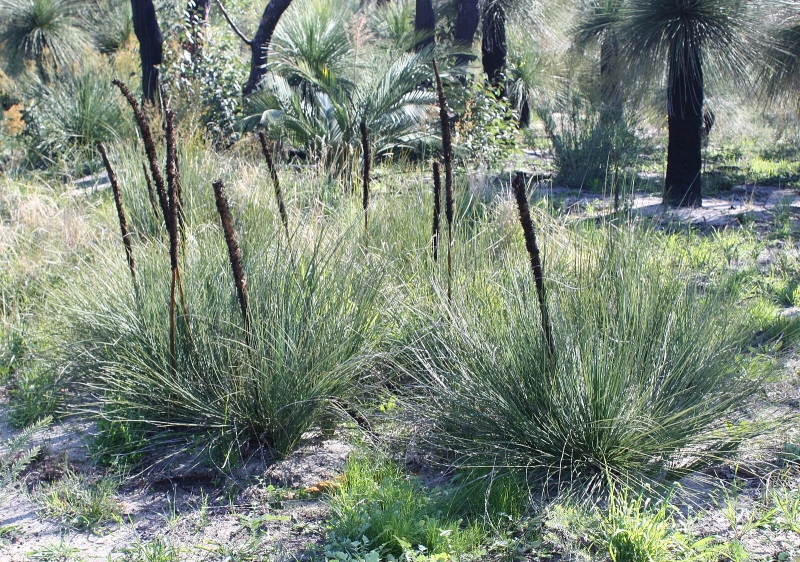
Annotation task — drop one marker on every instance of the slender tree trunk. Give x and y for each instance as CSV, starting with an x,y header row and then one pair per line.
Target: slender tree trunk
x,y
493,46
685,123
145,26
260,43
609,78
424,24
197,11
467,21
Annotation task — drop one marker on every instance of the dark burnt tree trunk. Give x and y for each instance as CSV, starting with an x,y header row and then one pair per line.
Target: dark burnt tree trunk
x,y
260,44
424,24
145,26
609,77
685,123
197,12
467,21
493,47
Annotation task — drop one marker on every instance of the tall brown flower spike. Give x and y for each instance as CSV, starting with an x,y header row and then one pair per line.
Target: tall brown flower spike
x,y
123,223
149,148
173,171
234,253
276,184
518,185
447,152
437,208
367,156
150,193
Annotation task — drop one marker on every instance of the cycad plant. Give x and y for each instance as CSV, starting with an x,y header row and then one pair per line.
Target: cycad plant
x,y
685,42
643,382
326,83
49,33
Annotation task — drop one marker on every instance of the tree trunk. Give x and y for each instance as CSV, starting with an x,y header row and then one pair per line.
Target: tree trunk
x,y
260,44
685,122
493,46
197,12
424,24
609,77
466,25
145,26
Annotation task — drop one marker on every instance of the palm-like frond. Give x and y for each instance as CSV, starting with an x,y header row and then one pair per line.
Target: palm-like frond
x,y
311,40
48,32
325,113
781,75
719,34
594,19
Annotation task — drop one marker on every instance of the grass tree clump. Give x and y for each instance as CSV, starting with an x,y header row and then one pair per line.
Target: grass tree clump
x,y
644,382
313,322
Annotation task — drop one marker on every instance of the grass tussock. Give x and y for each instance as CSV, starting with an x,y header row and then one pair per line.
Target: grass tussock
x,y
312,323
645,378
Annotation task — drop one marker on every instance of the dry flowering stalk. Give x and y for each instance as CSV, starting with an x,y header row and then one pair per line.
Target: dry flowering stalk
x,y
518,185
151,194
447,152
367,155
234,253
149,148
123,223
437,208
276,184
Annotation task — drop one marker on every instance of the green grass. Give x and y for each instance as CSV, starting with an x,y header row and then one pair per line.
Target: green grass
x,y
378,508
78,501
648,365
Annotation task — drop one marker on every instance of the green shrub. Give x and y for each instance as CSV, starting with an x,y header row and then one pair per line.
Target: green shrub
x,y
590,145
645,377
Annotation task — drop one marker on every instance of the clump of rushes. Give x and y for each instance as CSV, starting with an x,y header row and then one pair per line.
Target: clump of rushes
x,y
151,194
123,222
276,184
518,185
447,152
367,156
233,247
437,208
149,148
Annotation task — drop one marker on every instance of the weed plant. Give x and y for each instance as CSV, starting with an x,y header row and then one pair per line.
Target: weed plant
x,y
313,321
79,502
377,508
644,382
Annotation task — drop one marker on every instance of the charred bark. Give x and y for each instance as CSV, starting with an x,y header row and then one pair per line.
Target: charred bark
x,y
260,43
493,46
151,41
467,21
424,24
685,124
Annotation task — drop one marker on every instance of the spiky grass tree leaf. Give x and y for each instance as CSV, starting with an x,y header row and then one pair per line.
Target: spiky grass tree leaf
x,y
51,33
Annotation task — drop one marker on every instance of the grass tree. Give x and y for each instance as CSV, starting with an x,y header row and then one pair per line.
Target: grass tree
x,y
685,42
782,77
49,33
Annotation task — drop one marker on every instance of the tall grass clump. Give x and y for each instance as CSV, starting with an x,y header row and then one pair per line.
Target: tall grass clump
x,y
312,322
643,382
